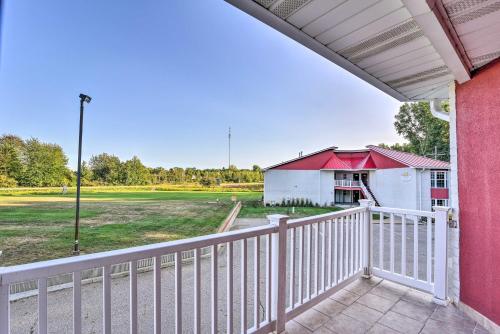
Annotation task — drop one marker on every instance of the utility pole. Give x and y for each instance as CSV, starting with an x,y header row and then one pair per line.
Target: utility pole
x,y
229,142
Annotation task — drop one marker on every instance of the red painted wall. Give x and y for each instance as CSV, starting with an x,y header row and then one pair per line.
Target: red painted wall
x,y
478,140
439,193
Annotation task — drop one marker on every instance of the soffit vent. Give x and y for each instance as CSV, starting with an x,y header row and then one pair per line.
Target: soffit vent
x,y
287,7
392,44
395,32
419,77
476,13
457,7
484,59
265,3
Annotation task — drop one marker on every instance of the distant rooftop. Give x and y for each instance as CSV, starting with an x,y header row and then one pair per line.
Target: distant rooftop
x,y
372,157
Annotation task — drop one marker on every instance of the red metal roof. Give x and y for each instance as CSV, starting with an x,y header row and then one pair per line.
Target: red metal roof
x,y
410,159
372,158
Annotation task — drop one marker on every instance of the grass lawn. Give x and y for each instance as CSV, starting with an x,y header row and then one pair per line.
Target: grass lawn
x,y
253,209
39,225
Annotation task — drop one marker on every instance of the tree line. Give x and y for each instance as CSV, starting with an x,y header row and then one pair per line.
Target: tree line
x,y
33,163
426,135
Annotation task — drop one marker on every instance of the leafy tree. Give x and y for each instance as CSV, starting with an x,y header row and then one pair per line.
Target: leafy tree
x,y
105,169
424,132
133,172
11,153
45,165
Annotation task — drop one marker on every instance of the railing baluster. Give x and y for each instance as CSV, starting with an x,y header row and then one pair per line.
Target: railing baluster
x,y
292,268
133,297
4,308
316,258
346,263
269,278
301,264
215,281
229,282
341,249
429,249
106,286
351,255
415,248
196,293
391,242
178,293
42,305
403,245
356,237
329,258
381,242
309,262
323,257
256,279
243,288
77,302
335,253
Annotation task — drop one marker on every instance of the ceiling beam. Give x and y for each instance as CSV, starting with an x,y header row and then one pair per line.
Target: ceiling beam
x,y
434,22
264,15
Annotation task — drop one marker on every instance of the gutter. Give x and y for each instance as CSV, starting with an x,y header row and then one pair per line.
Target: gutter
x,y
437,111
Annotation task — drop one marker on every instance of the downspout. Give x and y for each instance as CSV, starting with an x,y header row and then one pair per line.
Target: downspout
x,y
437,111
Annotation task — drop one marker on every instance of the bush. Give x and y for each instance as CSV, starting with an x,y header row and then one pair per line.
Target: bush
x,y
7,182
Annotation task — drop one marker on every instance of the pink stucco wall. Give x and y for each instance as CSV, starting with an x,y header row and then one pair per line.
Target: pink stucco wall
x,y
478,141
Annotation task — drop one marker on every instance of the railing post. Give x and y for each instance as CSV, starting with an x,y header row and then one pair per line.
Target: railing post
x,y
440,256
367,242
278,271
4,307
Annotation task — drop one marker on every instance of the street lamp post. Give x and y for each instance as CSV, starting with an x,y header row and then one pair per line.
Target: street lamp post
x,y
76,249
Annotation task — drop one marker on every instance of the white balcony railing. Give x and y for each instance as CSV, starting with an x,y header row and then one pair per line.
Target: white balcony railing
x,y
284,268
347,183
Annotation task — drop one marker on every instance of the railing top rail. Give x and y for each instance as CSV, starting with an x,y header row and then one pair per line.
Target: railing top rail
x,y
403,211
30,271
323,217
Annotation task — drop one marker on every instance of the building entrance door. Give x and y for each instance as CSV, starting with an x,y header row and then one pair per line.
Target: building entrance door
x,y
355,196
364,178
355,177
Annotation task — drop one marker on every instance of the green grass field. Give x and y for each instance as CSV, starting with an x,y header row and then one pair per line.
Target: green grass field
x,y
38,224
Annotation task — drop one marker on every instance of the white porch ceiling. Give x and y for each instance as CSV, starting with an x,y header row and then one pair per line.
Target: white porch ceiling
x,y
400,46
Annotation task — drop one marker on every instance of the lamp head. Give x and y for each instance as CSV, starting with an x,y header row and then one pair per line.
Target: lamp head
x,y
85,98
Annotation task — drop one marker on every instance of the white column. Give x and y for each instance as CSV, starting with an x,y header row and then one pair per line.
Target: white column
x,y
278,271
440,256
366,238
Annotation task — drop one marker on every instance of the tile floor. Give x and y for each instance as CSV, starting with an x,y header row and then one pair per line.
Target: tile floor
x,y
377,306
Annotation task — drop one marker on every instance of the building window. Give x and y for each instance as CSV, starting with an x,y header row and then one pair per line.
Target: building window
x,y
439,179
439,202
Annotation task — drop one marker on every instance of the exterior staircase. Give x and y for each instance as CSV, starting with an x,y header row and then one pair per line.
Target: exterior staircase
x,y
368,193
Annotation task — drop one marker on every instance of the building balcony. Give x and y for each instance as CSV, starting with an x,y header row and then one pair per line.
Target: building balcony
x,y
347,183
303,274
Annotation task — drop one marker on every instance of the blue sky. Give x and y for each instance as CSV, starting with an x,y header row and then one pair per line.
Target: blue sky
x,y
167,78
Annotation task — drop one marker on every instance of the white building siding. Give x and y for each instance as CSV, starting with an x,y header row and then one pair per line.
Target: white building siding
x,y
396,187
424,190
327,195
282,184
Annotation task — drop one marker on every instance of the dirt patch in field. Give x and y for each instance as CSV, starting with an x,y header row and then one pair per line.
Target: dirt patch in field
x,y
161,236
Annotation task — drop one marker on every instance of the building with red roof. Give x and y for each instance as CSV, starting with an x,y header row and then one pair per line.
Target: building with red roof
x,y
342,177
